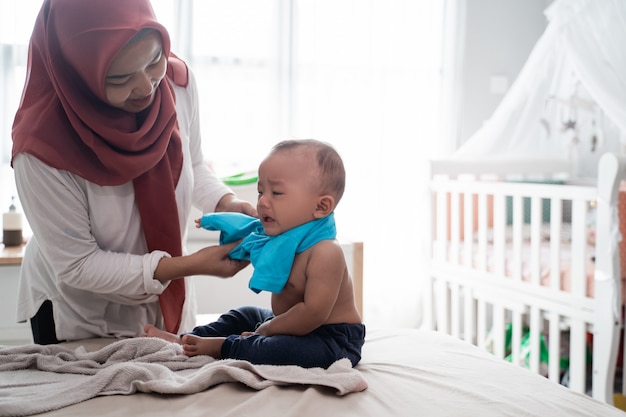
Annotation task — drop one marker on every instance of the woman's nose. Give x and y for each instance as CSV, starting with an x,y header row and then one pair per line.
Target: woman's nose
x,y
145,85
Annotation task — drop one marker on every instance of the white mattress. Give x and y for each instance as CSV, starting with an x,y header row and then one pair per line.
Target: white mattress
x,y
409,373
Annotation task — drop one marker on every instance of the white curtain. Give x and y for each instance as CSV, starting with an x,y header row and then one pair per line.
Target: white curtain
x,y
569,100
365,75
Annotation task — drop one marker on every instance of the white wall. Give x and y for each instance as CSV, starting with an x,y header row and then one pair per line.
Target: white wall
x,y
498,37
11,331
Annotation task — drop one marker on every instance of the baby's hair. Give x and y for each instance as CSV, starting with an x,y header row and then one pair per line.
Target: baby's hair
x,y
332,171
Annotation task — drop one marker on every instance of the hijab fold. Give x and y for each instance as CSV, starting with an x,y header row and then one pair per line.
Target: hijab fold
x,y
64,120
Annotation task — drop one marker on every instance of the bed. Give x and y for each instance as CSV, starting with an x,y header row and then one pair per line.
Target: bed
x,y
525,263
403,372
408,372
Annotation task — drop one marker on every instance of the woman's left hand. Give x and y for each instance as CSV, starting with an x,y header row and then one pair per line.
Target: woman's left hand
x,y
231,203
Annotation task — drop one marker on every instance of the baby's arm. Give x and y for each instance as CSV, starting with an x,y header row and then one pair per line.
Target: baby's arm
x,y
324,274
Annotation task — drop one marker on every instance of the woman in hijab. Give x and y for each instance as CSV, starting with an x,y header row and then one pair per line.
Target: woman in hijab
x,y
108,163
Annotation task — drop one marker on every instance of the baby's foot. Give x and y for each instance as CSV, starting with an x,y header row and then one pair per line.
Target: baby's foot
x,y
195,345
152,331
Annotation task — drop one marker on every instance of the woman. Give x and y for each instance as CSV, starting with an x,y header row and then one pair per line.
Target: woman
x,y
108,162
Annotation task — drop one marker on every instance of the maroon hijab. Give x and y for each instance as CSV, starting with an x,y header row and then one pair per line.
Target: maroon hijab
x,y
64,119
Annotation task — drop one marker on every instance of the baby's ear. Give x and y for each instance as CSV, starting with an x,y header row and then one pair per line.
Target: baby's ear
x,y
325,206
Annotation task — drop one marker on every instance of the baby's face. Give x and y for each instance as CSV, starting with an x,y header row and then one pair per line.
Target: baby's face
x,y
287,193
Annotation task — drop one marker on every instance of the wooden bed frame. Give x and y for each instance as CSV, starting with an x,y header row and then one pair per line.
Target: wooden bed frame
x,y
475,290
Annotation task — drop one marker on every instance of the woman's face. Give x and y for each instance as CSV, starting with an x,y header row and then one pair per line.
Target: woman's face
x,y
135,73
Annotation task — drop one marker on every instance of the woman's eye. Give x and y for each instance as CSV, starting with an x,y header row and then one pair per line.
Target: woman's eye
x,y
116,82
157,60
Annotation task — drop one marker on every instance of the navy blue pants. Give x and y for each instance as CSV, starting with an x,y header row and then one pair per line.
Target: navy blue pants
x,y
320,348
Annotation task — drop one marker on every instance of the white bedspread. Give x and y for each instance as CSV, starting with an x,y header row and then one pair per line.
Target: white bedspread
x,y
408,372
45,378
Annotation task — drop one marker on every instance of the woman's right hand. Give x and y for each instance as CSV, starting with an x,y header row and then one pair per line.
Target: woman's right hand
x,y
212,260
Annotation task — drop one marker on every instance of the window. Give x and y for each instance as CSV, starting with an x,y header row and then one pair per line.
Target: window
x,y
16,23
364,75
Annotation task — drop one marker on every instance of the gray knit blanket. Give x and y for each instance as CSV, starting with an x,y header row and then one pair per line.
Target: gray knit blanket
x,y
35,378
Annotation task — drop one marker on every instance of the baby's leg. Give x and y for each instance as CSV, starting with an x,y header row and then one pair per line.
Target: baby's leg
x,y
196,345
151,331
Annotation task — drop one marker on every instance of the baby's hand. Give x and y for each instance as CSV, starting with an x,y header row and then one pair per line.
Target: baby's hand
x,y
264,328
197,222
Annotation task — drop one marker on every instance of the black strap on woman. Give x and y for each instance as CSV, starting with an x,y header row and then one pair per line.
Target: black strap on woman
x,y
42,325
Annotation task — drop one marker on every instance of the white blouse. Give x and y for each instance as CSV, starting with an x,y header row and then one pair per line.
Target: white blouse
x,y
88,251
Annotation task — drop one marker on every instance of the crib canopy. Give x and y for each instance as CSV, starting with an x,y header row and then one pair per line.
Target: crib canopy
x,y
569,99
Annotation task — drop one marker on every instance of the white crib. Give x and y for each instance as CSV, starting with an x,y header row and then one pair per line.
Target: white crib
x,y
514,264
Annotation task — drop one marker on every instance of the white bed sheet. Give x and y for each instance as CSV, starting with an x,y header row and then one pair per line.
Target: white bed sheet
x,y
409,373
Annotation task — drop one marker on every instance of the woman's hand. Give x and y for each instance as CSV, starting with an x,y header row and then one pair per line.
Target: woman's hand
x,y
215,260
231,203
212,260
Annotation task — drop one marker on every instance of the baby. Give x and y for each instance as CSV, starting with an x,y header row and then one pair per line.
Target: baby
x,y
314,320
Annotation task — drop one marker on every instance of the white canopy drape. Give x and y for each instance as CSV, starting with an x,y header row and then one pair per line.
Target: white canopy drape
x,y
569,99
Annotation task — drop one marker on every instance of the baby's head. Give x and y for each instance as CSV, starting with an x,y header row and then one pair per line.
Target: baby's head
x,y
299,181
328,175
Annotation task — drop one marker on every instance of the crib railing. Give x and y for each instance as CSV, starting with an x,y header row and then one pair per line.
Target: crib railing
x,y
514,269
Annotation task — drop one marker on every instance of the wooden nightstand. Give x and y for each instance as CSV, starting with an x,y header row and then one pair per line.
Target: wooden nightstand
x,y
11,332
11,255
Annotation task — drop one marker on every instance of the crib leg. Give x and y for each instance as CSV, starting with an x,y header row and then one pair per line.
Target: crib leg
x,y
605,345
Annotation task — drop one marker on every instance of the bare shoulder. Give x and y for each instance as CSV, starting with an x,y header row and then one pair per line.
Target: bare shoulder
x,y
328,246
328,250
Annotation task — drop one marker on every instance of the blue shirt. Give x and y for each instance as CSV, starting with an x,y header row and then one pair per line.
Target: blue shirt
x,y
271,256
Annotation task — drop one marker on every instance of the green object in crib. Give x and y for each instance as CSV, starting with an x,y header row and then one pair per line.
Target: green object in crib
x,y
545,203
243,178
544,356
